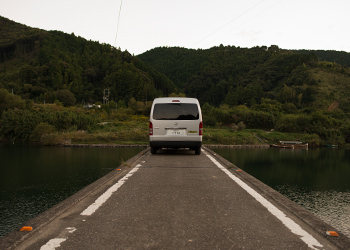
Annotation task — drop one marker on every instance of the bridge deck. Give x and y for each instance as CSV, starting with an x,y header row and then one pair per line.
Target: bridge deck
x,y
176,200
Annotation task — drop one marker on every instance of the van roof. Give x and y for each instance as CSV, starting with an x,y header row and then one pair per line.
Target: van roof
x,y
175,99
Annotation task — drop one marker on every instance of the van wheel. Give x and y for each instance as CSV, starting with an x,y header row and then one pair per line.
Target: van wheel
x,y
197,151
153,150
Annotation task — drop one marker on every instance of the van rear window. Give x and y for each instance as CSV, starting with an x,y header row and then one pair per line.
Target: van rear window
x,y
175,111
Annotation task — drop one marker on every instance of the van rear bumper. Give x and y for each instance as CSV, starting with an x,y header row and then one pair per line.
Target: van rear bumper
x,y
175,144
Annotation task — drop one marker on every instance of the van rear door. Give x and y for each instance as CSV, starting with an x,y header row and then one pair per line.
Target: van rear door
x,y
175,119
175,123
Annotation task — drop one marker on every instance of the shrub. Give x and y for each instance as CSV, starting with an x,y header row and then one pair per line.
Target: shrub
x,y
241,125
66,97
9,101
293,123
234,127
51,139
40,130
20,124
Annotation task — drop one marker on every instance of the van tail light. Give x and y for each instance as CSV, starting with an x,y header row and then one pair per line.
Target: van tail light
x,y
150,131
201,128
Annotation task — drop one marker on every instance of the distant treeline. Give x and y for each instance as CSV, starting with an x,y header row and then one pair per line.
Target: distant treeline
x,y
25,121
36,63
289,91
260,87
241,76
340,57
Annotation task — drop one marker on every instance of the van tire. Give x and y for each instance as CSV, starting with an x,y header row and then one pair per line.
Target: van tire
x,y
197,151
153,150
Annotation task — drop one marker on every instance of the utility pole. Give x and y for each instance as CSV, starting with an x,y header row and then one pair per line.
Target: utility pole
x,y
106,96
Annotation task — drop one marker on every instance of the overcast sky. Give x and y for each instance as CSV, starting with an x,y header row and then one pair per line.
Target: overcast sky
x,y
146,24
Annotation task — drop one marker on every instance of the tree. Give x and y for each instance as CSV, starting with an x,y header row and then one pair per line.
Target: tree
x,y
132,104
8,101
177,95
66,97
241,125
309,95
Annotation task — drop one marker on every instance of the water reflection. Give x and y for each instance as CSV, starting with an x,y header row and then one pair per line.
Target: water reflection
x,y
35,178
330,205
317,179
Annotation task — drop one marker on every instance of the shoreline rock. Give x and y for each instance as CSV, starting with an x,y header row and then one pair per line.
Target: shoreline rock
x,y
103,145
237,146
146,145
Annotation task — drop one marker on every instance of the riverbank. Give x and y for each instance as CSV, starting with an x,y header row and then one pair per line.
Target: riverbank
x,y
132,135
135,132
136,135
105,145
57,125
146,145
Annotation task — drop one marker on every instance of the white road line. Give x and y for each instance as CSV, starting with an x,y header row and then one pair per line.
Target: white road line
x,y
289,223
56,242
53,244
105,196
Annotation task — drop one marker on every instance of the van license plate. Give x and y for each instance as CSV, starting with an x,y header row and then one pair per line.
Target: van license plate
x,y
176,132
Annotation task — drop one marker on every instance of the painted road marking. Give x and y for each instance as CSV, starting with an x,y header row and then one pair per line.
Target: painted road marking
x,y
289,223
56,242
53,244
106,195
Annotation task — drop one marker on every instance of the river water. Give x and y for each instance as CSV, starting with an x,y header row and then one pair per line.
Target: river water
x,y
35,178
316,179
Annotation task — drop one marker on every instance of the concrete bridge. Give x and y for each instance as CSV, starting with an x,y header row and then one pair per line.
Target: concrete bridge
x,y
176,200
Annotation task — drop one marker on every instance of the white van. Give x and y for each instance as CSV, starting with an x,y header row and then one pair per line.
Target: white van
x,y
175,122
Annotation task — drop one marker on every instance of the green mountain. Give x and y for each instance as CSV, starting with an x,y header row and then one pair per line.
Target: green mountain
x,y
261,87
264,87
340,57
241,76
35,64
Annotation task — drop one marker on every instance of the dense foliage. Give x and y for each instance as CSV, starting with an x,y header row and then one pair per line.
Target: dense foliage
x,y
235,76
257,88
20,124
35,64
266,88
340,57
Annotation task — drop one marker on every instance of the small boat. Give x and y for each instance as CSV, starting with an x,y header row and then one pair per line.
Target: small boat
x,y
290,144
282,146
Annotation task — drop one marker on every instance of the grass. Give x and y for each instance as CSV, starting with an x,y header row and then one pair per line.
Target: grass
x,y
274,137
226,136
123,163
136,133
115,128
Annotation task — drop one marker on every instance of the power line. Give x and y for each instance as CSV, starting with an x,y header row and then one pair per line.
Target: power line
x,y
229,22
120,10
252,18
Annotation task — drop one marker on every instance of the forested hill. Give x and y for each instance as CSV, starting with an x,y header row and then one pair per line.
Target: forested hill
x,y
241,76
260,87
35,64
340,57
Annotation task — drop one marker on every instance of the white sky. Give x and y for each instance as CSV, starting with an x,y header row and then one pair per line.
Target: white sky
x,y
146,24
